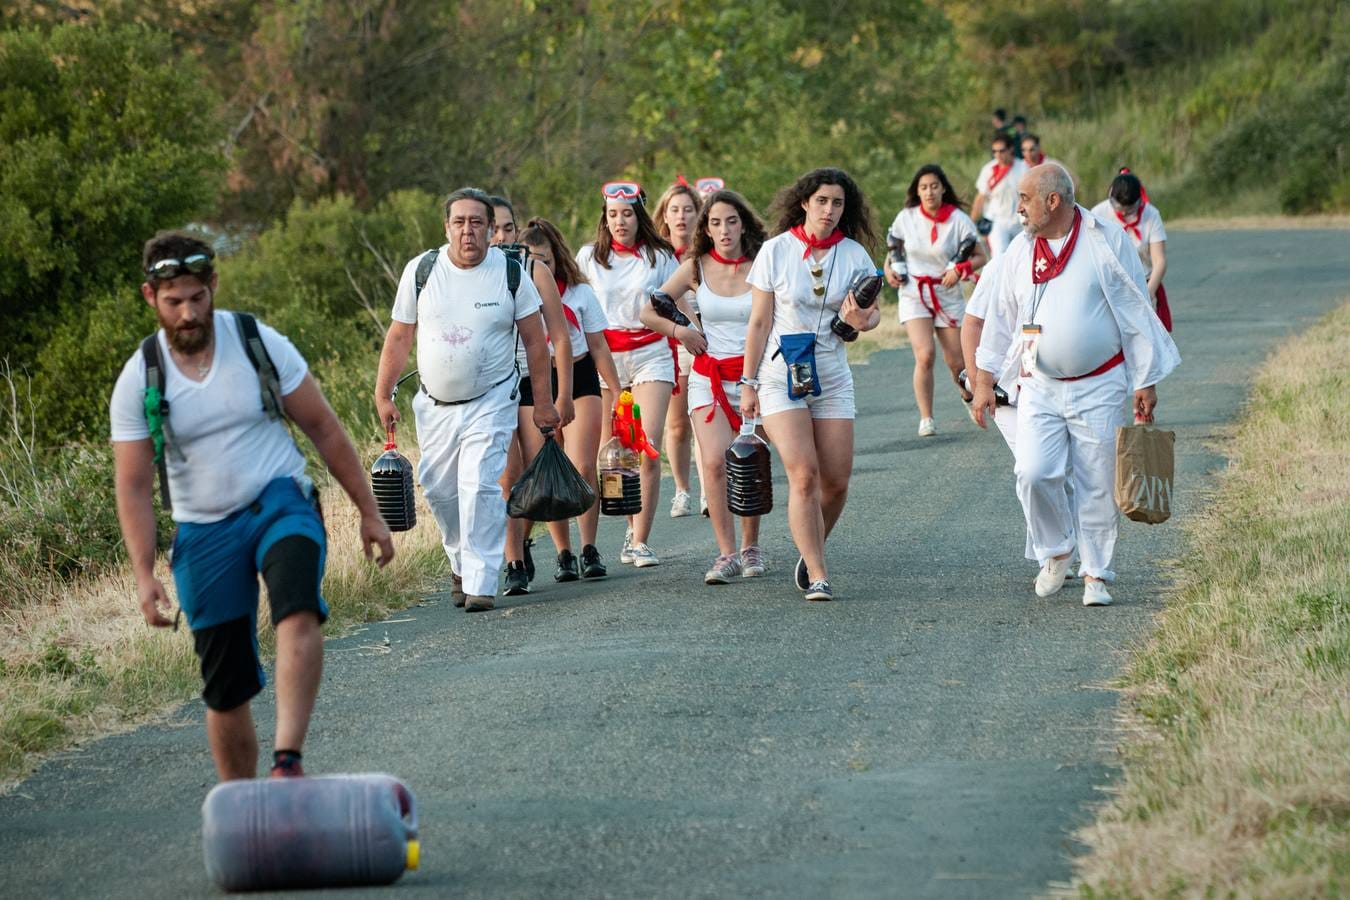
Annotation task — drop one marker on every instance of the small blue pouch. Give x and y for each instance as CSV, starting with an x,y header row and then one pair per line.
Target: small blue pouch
x,y
799,353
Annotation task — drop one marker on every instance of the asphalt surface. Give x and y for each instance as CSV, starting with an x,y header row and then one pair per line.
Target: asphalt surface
x,y
938,731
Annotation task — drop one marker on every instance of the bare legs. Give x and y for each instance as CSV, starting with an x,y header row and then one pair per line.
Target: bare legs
x,y
654,398
818,457
921,339
713,438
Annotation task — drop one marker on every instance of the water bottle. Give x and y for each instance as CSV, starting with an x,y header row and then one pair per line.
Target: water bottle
x,y
620,480
749,474
325,831
391,481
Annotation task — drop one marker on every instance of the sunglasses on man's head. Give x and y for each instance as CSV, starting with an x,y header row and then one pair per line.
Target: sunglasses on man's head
x,y
709,185
627,191
166,269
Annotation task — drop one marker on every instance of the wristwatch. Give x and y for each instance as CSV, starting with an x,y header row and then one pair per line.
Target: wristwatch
x,y
750,382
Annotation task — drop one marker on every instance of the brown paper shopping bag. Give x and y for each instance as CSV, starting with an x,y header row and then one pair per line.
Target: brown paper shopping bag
x,y
1144,466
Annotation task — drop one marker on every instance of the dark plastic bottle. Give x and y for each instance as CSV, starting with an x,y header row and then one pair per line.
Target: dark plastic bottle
x,y
620,480
749,474
1000,395
326,831
391,481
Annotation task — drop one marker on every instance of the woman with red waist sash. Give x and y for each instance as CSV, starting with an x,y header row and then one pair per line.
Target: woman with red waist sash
x,y
728,236
626,262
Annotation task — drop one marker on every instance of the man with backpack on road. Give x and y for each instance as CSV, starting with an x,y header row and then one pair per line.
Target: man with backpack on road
x,y
204,401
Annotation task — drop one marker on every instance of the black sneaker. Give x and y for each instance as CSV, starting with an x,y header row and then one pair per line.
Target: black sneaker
x,y
819,590
529,561
567,567
591,566
799,574
286,764
516,581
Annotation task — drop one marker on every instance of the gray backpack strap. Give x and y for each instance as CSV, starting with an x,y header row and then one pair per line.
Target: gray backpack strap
x,y
269,382
513,273
424,267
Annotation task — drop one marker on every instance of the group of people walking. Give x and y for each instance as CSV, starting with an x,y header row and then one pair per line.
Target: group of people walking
x,y
521,340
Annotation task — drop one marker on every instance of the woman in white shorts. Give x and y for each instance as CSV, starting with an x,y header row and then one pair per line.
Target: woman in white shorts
x,y
940,249
728,237
626,262
676,218
800,283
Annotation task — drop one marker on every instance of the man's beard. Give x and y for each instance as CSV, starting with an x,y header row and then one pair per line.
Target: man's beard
x,y
191,340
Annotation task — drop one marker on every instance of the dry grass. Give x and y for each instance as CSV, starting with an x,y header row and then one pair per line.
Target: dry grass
x,y
1237,778
77,660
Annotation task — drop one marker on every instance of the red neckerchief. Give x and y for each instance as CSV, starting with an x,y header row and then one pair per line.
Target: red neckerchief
x,y
567,310
624,248
999,173
814,243
717,257
679,253
1044,264
1040,158
1133,227
943,214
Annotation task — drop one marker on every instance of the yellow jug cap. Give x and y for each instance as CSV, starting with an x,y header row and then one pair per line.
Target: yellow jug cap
x,y
414,855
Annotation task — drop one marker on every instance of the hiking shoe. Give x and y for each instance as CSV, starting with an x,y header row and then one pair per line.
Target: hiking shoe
x,y
517,582
457,589
477,603
626,554
1051,577
567,567
927,428
724,568
286,764
819,590
644,557
752,562
529,561
591,566
680,505
1094,593
800,576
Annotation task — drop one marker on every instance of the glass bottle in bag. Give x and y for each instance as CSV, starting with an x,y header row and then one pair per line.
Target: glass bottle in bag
x,y
749,474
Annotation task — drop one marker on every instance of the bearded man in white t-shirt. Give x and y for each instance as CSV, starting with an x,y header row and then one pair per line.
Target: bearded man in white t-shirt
x,y
236,484
1076,333
465,322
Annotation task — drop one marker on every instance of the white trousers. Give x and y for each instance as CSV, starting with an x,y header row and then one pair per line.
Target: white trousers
x,y
1001,235
463,458
1066,431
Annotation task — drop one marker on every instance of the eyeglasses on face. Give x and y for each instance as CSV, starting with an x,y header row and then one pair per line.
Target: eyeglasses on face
x,y
167,269
627,191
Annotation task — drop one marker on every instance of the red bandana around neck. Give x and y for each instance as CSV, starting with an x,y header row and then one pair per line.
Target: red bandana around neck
x,y
717,257
624,248
567,310
1132,225
814,243
1044,264
679,253
999,173
1040,158
942,215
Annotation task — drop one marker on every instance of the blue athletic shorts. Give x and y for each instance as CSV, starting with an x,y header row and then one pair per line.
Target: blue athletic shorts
x,y
280,536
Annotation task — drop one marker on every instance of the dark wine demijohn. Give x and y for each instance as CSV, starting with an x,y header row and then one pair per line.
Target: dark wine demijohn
x,y
391,481
749,474
620,479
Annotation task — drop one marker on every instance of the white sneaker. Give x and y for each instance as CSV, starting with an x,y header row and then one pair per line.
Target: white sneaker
x,y
1094,593
644,557
927,428
681,505
1051,577
703,505
626,553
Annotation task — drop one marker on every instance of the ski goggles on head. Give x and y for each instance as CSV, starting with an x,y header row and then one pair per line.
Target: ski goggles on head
x,y
167,269
627,191
709,185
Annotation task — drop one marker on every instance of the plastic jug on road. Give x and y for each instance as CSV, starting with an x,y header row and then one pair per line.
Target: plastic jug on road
x,y
749,474
323,831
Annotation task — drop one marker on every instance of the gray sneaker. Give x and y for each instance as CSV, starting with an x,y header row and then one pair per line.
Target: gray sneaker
x,y
644,557
680,505
724,568
753,563
626,553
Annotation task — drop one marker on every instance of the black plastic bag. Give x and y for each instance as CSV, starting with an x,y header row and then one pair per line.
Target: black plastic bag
x,y
551,488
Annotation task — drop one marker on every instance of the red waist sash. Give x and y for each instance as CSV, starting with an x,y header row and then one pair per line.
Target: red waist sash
x,y
729,368
621,340
935,306
1104,367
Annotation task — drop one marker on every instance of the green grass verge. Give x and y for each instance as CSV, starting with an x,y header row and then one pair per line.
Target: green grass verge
x,y
1237,778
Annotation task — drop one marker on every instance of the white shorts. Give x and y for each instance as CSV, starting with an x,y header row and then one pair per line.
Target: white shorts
x,y
836,388
686,360
951,313
700,395
654,362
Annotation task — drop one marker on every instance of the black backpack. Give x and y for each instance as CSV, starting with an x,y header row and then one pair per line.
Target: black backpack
x,y
157,404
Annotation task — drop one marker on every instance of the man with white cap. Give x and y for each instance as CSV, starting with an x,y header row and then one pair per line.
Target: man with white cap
x,y
1086,338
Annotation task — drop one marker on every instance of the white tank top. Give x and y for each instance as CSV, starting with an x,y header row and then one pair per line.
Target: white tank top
x,y
725,320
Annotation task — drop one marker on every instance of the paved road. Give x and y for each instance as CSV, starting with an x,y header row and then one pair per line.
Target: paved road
x,y
938,732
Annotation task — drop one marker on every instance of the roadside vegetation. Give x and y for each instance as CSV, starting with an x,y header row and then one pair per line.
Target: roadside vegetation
x,y
1237,768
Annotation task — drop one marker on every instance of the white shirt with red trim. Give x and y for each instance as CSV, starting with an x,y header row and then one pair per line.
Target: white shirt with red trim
x,y
928,258
1000,203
